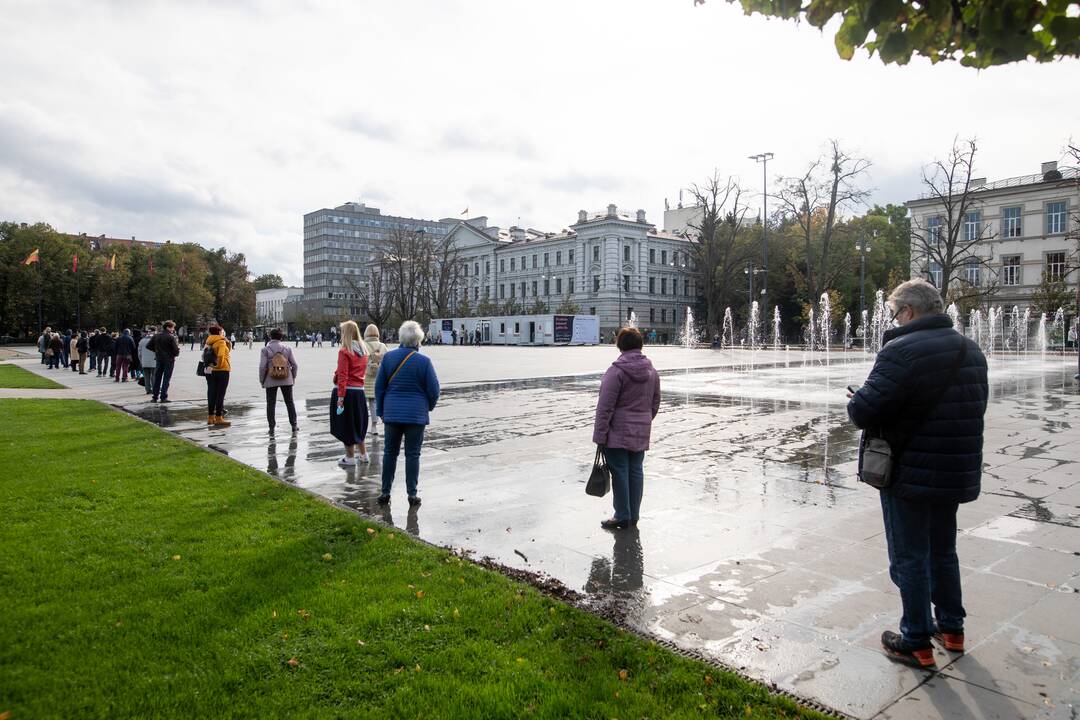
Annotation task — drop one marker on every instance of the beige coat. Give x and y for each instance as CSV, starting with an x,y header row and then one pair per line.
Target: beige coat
x,y
74,350
376,351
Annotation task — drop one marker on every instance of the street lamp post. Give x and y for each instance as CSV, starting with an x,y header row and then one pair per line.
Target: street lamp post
x,y
764,159
862,284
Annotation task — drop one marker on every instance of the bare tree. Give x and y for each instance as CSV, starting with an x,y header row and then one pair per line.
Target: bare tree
x,y
814,202
717,251
956,237
375,294
442,276
404,262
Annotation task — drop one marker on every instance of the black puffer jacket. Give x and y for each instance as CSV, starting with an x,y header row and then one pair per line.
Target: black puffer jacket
x,y
942,459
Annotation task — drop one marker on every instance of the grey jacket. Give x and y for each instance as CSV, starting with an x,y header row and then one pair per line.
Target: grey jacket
x,y
267,354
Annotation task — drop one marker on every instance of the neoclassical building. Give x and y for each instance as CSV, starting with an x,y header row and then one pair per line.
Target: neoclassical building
x,y
609,264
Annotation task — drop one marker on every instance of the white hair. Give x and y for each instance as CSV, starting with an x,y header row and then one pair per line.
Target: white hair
x,y
919,295
410,334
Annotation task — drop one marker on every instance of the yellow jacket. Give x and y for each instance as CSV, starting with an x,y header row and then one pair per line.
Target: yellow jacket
x,y
221,350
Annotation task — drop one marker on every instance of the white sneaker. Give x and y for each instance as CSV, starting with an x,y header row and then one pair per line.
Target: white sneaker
x,y
363,458
347,461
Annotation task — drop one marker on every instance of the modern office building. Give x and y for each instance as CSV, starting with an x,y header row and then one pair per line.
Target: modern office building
x,y
609,264
1025,224
270,305
339,244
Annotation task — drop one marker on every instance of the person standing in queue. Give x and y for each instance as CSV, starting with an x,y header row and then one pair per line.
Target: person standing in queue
x,y
218,376
348,407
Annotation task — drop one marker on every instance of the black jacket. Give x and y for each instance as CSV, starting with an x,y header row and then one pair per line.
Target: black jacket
x,y
125,346
942,457
165,346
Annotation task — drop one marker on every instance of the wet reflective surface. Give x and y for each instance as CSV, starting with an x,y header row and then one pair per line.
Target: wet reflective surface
x,y
756,543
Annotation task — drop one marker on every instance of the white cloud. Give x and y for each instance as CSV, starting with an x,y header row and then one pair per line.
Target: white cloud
x,y
222,123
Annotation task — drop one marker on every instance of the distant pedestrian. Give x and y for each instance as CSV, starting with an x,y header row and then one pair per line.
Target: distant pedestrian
x,y
376,351
406,390
43,343
83,348
218,377
148,360
73,353
54,351
318,339
65,349
249,338
629,400
926,397
125,351
114,343
166,349
277,371
105,345
348,411
453,337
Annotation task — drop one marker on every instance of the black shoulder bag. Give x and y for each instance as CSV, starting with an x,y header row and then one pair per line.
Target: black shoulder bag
x,y
878,459
600,478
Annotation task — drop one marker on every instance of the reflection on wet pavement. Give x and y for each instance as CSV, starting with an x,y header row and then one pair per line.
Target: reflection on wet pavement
x,y
757,546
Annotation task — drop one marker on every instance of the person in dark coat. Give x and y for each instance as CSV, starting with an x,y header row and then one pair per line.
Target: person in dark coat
x,y
629,400
125,350
406,390
926,395
166,349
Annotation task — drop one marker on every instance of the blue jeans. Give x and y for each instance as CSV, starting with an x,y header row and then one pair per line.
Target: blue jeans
x,y
627,481
162,375
392,436
923,565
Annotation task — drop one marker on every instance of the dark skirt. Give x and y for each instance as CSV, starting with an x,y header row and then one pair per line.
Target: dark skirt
x,y
349,427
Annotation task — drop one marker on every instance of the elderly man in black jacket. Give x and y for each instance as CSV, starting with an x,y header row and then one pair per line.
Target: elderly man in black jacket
x,y
926,395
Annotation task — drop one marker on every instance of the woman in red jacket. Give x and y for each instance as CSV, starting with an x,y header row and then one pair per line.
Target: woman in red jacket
x,y
348,406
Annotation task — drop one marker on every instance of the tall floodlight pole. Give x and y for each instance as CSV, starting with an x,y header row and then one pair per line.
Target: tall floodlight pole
x,y
764,159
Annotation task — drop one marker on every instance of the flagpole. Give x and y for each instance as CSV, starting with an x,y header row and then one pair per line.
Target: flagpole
x,y
78,308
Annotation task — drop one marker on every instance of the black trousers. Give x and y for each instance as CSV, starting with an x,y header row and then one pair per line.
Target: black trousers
x,y
217,383
271,403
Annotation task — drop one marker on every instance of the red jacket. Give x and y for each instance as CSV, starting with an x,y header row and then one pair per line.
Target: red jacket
x,y
350,371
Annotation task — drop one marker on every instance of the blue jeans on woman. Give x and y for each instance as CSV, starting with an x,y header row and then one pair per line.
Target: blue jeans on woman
x,y
393,433
923,564
627,481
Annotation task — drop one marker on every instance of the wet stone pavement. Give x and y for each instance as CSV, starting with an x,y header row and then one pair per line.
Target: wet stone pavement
x,y
757,546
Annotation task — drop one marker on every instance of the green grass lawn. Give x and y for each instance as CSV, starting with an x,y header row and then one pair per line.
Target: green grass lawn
x,y
141,576
13,376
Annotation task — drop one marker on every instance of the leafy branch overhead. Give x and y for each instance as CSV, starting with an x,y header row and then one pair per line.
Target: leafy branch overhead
x,y
977,33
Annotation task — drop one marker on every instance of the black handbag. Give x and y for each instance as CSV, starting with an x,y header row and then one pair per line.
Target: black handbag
x,y
878,457
199,369
600,478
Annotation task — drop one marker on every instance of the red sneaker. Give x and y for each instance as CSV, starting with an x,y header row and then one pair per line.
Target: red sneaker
x,y
896,649
951,641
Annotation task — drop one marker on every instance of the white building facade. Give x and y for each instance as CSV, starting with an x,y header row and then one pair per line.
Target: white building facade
x,y
1028,225
270,305
609,264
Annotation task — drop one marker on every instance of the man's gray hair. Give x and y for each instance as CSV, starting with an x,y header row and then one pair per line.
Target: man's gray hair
x,y
919,295
410,334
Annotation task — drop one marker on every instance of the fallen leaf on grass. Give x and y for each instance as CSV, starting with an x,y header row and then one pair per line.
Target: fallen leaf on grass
x,y
417,668
390,535
273,614
457,614
361,642
371,531
327,557
175,557
399,669
427,628
623,675
119,623
293,662
303,613
419,594
6,715
708,679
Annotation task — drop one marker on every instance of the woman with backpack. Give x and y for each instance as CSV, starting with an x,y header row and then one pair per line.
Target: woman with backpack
x,y
348,409
218,349
376,350
277,369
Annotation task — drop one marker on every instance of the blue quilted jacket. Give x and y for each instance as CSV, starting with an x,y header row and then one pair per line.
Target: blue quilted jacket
x,y
942,457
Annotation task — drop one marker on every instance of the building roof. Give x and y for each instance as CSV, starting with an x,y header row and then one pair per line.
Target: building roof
x,y
1067,174
103,242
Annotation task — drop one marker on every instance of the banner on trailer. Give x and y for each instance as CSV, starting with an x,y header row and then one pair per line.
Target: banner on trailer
x,y
447,328
564,329
586,330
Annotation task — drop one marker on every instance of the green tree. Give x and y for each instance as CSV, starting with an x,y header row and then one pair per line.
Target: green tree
x,y
1051,294
267,282
568,306
977,33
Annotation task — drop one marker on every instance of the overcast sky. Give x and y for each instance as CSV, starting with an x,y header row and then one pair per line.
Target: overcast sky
x,y
222,122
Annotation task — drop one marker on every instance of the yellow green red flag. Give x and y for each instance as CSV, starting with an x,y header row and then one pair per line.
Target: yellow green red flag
x,y
32,258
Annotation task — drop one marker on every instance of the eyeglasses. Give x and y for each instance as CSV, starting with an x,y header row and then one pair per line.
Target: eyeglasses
x,y
896,312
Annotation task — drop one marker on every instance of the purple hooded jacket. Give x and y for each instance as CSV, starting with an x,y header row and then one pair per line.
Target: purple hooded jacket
x,y
629,400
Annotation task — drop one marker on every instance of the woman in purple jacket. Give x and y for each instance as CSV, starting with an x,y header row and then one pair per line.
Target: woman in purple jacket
x,y
629,400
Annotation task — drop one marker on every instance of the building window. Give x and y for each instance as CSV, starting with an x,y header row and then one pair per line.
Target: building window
x,y
547,287
534,288
592,311
663,257
570,255
933,231
626,283
512,260
663,315
502,264
558,258
972,226
487,267
1011,222
663,286
487,291
523,290
502,291
626,253
1055,217
534,262
596,283
523,264
558,286
935,273
973,273
546,259
652,286
652,255
1010,270
1055,266
476,293
570,286
596,253
686,287
652,315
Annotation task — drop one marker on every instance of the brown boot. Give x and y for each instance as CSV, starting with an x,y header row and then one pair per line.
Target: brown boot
x,y
211,420
219,421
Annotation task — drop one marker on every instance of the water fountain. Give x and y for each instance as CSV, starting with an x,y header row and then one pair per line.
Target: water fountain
x,y
991,329
727,338
752,328
975,327
1025,323
809,332
954,313
776,328
825,324
864,330
1059,326
1041,337
632,322
847,330
880,321
689,333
